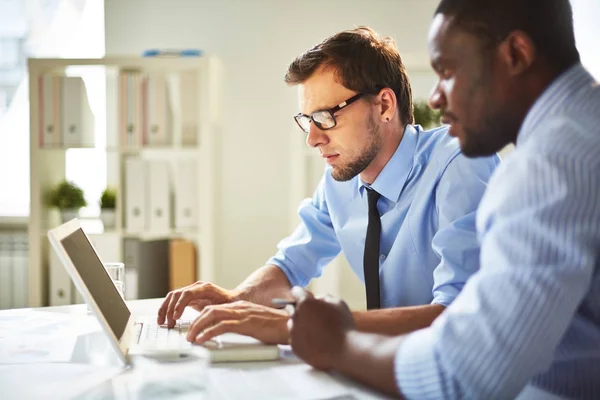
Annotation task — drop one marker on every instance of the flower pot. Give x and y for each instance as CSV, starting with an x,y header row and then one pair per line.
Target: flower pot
x,y
67,215
108,217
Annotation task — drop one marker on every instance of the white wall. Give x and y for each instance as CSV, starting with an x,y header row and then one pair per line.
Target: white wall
x,y
586,14
256,40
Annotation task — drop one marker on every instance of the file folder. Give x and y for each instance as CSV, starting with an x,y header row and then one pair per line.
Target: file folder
x,y
159,196
49,104
186,195
135,195
157,115
77,118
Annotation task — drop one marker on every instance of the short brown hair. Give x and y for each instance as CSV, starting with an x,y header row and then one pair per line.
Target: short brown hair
x,y
364,62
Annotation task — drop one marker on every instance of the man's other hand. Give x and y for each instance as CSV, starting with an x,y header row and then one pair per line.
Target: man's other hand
x,y
318,328
260,322
197,295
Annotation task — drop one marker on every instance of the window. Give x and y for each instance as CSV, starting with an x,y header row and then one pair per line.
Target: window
x,y
53,29
587,30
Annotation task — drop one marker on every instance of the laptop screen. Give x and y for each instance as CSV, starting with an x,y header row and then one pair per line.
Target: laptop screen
x,y
97,280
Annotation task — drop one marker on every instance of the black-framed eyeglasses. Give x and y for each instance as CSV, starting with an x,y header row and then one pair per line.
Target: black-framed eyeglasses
x,y
323,119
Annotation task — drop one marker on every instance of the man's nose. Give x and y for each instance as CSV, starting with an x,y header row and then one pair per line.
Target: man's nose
x,y
316,136
437,99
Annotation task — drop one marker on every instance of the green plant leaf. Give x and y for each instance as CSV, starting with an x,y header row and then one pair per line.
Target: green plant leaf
x,y
66,196
108,200
425,116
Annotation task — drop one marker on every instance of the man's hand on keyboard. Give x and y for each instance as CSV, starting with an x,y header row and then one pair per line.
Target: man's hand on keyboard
x,y
264,323
197,295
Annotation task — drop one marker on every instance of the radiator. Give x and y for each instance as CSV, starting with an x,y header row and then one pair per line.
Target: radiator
x,y
14,255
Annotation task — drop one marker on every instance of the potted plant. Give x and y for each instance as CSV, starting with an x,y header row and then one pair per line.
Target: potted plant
x,y
425,116
108,202
68,198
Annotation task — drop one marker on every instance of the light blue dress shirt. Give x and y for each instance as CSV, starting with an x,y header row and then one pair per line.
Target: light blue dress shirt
x,y
531,315
429,194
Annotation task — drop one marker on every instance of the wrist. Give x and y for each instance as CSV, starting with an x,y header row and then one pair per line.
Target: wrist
x,y
342,356
236,295
359,318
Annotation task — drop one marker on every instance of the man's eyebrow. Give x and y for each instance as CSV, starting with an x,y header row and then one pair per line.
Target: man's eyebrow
x,y
438,60
316,109
435,63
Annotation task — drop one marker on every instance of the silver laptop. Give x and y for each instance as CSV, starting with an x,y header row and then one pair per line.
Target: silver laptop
x,y
138,335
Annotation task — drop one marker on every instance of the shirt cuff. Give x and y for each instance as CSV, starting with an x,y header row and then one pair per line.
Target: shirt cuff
x,y
416,366
443,299
294,276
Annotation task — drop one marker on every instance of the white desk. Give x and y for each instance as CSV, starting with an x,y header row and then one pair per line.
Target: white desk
x,y
92,371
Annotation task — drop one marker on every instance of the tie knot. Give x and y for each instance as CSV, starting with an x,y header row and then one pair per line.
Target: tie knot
x,y
373,197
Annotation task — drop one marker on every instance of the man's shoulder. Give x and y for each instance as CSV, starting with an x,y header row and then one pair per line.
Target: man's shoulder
x,y
436,140
437,149
569,134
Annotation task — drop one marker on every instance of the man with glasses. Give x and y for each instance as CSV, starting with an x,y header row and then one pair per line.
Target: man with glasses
x,y
397,200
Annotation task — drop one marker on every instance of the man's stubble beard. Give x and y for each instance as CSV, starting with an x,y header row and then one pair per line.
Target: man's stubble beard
x,y
353,168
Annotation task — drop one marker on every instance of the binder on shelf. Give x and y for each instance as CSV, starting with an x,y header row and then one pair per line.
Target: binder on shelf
x,y
61,287
157,111
135,195
77,118
188,84
49,87
182,263
159,195
108,246
186,194
113,101
146,268
130,100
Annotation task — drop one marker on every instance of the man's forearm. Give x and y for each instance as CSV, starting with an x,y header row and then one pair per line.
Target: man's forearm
x,y
369,359
263,285
397,321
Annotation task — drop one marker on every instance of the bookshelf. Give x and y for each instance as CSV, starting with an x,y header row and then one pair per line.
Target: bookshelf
x,y
133,89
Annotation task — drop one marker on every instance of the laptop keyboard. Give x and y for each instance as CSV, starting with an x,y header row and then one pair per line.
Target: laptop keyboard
x,y
159,336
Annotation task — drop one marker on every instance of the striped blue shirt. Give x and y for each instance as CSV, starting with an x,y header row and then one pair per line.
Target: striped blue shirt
x,y
530,318
429,197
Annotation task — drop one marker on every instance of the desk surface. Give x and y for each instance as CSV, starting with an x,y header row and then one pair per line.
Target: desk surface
x,y
76,361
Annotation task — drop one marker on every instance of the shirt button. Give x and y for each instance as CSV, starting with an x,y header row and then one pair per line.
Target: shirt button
x,y
382,257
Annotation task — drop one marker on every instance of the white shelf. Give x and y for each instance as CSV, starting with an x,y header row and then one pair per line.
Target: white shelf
x,y
147,64
48,162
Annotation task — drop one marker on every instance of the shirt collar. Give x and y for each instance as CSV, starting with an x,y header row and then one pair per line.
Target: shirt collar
x,y
391,179
554,98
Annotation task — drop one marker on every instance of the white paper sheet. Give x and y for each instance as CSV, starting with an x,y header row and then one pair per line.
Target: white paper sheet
x,y
30,349
25,321
29,336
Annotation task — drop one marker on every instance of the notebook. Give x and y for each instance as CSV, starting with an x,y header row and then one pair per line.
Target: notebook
x,y
132,335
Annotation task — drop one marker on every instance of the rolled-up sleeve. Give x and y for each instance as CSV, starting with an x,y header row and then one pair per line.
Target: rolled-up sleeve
x,y
312,245
458,194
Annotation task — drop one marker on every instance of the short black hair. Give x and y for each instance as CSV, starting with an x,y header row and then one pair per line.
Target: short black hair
x,y
549,24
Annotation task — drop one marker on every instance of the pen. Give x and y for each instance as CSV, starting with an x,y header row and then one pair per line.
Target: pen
x,y
283,302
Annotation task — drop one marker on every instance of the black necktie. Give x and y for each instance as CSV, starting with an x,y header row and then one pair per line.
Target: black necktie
x,y
371,256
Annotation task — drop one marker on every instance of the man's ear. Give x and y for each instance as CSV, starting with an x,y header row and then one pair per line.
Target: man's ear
x,y
388,104
517,52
